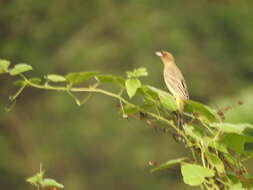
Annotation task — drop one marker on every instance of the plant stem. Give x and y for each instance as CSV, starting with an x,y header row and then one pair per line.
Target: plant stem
x,y
101,91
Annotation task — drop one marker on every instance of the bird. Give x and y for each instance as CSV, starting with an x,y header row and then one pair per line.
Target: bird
x,y
174,79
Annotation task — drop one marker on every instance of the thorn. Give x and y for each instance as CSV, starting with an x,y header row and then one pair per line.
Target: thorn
x,y
220,113
195,114
239,102
142,115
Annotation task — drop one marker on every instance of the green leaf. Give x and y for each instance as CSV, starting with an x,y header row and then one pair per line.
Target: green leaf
x,y
111,79
131,86
248,146
130,109
167,100
238,137
210,142
20,68
168,164
37,179
193,132
140,72
55,78
4,64
19,83
234,141
194,174
203,112
215,161
230,159
35,80
22,82
241,129
47,182
149,95
80,77
237,186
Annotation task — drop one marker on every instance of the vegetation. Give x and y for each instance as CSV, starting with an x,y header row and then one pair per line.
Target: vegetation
x,y
216,150
92,146
40,182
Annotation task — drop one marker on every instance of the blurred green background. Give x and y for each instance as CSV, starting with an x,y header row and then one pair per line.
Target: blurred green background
x,y
93,147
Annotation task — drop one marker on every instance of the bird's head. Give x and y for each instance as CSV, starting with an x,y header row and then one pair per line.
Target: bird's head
x,y
165,56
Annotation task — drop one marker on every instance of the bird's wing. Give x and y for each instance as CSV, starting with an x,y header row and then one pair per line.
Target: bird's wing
x,y
175,82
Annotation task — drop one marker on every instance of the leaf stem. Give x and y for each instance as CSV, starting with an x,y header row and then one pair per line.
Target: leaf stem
x,y
101,91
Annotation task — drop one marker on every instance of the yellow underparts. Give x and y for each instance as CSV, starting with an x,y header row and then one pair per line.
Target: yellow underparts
x,y
180,104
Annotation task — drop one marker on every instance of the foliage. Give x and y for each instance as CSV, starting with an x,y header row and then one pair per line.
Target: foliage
x,y
40,182
217,149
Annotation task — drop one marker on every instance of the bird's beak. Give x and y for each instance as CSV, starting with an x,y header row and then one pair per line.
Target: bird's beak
x,y
159,54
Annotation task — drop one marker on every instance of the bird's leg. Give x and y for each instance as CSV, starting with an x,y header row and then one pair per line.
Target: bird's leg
x,y
178,120
181,120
